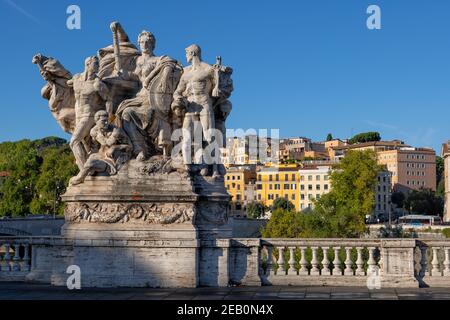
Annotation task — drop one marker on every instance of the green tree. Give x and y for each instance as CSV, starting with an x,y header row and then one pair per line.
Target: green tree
x,y
342,211
255,209
440,181
365,137
398,198
424,201
56,170
282,203
329,137
38,173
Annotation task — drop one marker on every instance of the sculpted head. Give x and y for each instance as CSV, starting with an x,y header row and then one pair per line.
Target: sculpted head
x,y
91,65
193,51
101,119
147,42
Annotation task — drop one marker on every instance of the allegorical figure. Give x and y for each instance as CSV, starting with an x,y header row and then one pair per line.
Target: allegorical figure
x,y
145,118
194,98
113,149
60,96
90,95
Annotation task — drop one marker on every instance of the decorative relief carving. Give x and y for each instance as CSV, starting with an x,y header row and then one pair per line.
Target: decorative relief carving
x,y
151,213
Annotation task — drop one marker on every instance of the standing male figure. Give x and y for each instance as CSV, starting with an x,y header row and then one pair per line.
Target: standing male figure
x,y
194,98
90,96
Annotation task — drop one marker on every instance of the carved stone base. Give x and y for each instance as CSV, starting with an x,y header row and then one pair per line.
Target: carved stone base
x,y
143,201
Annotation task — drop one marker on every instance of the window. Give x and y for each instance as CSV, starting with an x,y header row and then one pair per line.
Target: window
x,y
228,177
259,177
317,196
238,197
310,178
286,186
302,206
270,177
233,185
318,187
310,187
293,186
317,178
259,187
277,196
239,187
293,177
286,177
384,188
310,196
270,186
293,196
239,177
286,196
325,187
277,177
232,178
277,186
302,178
302,196
325,178
302,187
259,197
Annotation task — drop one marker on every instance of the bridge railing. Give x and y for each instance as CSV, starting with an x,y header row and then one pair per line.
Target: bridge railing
x,y
15,258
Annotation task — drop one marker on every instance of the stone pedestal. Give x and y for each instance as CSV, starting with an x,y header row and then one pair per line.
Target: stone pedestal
x,y
144,228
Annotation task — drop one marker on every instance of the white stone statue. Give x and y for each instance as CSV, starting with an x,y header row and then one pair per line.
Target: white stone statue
x,y
113,148
60,96
146,117
199,98
90,95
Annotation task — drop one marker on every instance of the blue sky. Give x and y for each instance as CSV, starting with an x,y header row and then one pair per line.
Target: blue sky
x,y
305,67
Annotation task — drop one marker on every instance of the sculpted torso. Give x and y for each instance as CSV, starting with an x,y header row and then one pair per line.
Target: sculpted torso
x,y
87,95
145,64
199,85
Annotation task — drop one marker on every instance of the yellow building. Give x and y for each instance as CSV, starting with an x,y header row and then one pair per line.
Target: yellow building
x,y
299,185
238,182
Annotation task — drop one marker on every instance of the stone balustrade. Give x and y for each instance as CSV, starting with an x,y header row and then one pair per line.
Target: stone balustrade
x,y
432,263
15,258
319,261
305,262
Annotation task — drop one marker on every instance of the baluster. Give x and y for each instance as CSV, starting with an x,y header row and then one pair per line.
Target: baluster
x,y
359,262
423,261
372,264
435,263
314,262
16,259
447,261
6,258
269,269
26,261
348,262
325,263
291,269
337,270
303,262
281,268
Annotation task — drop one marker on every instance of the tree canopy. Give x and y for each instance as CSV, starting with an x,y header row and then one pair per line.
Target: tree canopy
x,y
38,173
339,213
365,137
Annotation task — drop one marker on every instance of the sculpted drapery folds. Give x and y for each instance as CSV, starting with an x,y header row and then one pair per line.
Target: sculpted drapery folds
x,y
146,118
130,101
